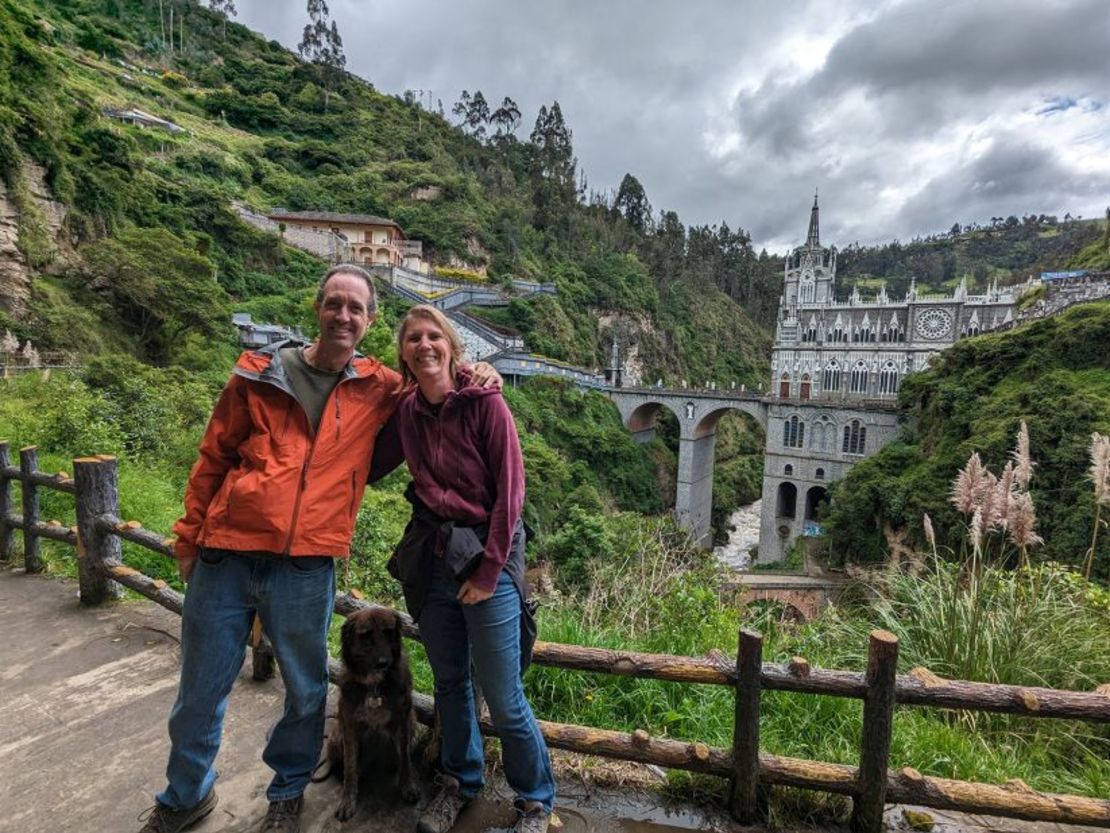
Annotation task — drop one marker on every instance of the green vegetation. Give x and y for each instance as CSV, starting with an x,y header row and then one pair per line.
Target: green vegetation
x,y
1008,250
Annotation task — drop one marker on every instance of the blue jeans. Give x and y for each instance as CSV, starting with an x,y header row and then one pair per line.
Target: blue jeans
x,y
294,598
489,634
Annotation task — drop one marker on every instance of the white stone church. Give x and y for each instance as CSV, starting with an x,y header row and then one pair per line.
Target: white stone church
x,y
836,367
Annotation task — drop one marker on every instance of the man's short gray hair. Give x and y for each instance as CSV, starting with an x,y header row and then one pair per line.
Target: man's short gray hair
x,y
356,271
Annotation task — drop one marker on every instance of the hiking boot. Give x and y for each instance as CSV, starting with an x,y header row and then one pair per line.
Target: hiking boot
x,y
531,817
163,819
440,814
284,816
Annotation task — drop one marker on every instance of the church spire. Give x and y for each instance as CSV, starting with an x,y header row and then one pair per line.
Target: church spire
x,y
813,238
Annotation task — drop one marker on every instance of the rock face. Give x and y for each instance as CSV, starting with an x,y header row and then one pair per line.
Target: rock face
x,y
16,276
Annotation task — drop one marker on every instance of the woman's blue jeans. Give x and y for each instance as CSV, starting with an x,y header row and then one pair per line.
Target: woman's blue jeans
x,y
488,633
294,598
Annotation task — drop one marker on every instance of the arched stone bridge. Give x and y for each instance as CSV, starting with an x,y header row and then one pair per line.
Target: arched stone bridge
x,y
698,412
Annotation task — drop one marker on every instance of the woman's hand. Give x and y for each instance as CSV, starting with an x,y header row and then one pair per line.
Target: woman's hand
x,y
471,594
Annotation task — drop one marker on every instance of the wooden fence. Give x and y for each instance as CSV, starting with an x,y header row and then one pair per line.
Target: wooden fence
x,y
871,785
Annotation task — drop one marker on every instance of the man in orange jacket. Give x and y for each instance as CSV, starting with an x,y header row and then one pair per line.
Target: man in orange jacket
x,y
271,503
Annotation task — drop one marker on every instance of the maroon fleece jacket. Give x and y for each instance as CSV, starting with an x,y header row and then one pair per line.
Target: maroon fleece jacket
x,y
466,464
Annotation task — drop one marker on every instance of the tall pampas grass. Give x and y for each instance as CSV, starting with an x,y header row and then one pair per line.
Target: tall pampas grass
x,y
1100,477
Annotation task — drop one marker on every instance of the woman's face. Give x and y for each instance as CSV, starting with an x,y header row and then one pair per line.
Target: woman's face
x,y
425,350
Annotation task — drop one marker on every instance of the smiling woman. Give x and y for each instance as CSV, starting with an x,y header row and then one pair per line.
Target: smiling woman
x,y
461,562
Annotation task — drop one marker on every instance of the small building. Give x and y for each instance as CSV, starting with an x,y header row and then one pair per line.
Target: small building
x,y
373,241
141,118
254,334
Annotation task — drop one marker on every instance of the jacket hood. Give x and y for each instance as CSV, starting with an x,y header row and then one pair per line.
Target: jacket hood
x,y
265,363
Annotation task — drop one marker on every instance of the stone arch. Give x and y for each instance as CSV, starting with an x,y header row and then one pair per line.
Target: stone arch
x,y
382,256
786,501
643,418
814,497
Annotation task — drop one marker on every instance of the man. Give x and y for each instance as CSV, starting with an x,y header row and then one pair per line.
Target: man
x,y
271,503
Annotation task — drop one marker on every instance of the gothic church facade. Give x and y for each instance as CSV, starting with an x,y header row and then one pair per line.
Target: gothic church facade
x,y
836,367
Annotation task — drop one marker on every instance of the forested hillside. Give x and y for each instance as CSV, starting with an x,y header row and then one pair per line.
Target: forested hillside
x,y
1008,250
263,127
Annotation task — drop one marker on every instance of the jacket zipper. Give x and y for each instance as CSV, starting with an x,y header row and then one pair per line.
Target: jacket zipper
x,y
302,483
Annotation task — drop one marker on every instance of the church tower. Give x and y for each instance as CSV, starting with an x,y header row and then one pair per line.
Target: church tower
x,y
810,272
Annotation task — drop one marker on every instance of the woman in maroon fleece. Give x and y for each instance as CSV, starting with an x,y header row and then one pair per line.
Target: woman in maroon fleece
x,y
461,446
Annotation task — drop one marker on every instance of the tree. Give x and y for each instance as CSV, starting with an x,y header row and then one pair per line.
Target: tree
x,y
554,167
473,112
322,46
225,9
632,203
160,286
505,119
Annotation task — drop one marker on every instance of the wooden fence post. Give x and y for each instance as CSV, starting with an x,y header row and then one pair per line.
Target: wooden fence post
x,y
5,504
97,497
28,463
744,802
878,718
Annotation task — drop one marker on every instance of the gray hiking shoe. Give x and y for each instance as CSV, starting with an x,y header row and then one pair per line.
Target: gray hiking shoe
x,y
284,816
163,819
440,814
531,817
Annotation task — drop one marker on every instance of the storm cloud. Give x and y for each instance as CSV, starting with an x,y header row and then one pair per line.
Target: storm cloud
x,y
908,115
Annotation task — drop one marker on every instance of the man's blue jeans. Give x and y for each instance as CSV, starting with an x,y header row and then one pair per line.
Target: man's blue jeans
x,y
488,633
294,598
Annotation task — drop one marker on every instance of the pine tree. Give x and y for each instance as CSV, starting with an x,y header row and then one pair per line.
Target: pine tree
x,y
321,45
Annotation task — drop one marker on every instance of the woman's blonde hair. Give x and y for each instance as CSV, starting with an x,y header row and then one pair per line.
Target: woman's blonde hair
x,y
429,313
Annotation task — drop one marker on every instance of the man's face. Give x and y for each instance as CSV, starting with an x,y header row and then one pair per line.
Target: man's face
x,y
344,313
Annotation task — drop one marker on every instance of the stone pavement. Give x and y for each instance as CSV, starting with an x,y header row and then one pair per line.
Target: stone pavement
x,y
84,695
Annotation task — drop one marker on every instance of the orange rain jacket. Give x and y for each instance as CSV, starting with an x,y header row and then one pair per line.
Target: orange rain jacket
x,y
264,481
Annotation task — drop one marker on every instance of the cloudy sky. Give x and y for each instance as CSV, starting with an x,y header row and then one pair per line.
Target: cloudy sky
x,y
907,115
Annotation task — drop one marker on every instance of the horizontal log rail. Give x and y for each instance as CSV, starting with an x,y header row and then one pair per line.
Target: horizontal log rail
x,y
871,785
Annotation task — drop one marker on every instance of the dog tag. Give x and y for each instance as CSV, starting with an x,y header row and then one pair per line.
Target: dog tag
x,y
374,702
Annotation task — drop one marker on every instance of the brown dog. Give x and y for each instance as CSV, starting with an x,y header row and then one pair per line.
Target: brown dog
x,y
375,698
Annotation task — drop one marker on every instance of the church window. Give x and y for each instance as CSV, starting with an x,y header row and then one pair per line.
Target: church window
x,y
831,381
855,435
788,469
888,378
823,435
819,474
793,433
784,386
859,378
805,387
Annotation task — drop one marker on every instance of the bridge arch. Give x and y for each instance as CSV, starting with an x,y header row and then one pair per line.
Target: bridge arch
x,y
698,412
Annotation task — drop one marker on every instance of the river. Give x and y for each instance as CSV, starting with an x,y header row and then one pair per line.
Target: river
x,y
736,553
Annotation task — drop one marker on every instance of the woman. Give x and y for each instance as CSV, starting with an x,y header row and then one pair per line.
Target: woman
x,y
462,564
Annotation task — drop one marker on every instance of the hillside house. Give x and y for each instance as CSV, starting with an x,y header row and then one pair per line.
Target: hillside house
x,y
373,241
140,118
